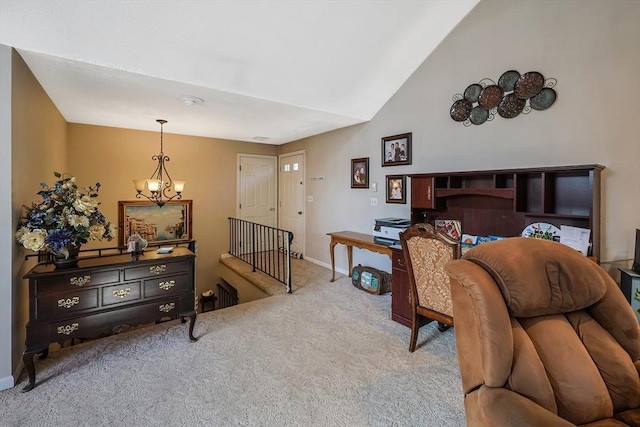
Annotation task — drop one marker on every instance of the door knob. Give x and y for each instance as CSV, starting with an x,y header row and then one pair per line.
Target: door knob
x,y
299,212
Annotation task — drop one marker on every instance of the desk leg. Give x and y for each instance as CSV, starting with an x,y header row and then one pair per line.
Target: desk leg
x,y
332,246
350,255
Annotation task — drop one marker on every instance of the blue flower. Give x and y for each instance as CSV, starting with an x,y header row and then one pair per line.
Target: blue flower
x,y
58,239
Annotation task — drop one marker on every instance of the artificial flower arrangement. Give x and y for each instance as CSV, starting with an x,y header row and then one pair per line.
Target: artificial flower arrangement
x,y
67,217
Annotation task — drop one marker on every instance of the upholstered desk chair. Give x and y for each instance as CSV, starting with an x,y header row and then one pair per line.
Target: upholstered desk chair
x,y
426,252
544,337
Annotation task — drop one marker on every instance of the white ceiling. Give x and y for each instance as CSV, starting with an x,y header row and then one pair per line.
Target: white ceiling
x,y
283,70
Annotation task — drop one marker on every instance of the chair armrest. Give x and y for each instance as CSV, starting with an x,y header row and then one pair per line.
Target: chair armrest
x,y
501,407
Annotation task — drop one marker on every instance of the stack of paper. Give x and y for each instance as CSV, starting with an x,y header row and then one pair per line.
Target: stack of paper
x,y
576,238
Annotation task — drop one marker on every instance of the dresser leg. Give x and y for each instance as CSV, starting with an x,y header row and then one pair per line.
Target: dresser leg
x,y
192,321
27,360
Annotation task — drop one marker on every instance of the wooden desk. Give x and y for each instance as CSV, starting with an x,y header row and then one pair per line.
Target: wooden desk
x,y
351,239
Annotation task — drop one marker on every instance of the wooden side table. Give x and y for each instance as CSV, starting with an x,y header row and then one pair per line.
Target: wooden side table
x,y
351,239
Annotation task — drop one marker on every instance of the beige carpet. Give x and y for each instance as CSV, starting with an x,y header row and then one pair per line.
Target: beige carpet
x,y
326,355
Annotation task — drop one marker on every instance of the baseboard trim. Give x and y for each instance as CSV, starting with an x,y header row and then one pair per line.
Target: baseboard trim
x,y
6,383
325,265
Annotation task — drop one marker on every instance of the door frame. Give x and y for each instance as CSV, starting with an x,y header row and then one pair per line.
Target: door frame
x,y
304,193
276,182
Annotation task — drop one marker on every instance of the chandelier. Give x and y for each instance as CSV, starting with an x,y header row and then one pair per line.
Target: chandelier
x,y
160,185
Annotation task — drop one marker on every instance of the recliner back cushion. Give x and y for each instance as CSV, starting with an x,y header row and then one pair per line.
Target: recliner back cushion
x,y
568,281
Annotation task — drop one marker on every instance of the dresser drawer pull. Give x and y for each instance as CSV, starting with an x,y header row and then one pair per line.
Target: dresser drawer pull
x,y
121,293
68,329
167,285
69,302
167,307
157,269
80,281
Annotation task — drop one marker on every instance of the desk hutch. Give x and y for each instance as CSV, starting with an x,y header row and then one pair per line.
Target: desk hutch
x,y
502,203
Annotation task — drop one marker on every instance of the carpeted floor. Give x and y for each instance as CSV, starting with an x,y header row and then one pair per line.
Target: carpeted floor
x,y
326,355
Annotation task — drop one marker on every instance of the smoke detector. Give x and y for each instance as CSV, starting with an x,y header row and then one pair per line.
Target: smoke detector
x,y
191,100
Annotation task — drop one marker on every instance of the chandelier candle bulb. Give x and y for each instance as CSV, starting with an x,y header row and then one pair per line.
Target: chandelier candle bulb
x,y
153,185
179,186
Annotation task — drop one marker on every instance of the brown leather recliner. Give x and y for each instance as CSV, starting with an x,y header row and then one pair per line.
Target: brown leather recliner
x,y
544,337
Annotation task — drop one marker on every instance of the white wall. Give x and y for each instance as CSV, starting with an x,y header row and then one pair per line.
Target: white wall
x,y
592,48
6,220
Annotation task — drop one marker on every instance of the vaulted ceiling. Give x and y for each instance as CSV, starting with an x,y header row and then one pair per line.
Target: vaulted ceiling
x,y
262,71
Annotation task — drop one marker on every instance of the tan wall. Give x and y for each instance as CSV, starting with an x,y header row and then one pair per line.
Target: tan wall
x,y
114,156
593,50
38,148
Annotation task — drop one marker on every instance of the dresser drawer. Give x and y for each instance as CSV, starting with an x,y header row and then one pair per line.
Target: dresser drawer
x,y
124,292
104,322
66,302
77,280
156,269
166,285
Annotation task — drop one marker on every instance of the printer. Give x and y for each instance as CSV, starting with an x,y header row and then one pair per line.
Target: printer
x,y
387,231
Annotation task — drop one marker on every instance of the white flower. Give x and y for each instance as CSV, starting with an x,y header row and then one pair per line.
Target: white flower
x,y
82,220
34,239
96,232
22,231
85,204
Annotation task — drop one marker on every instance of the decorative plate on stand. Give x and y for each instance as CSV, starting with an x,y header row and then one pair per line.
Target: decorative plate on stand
x,y
542,230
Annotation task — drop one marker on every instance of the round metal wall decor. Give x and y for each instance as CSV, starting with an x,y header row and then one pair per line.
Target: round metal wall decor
x,y
511,106
472,92
543,100
460,110
478,115
490,96
528,85
514,93
508,80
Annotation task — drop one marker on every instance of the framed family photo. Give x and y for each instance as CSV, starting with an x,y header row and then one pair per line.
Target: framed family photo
x,y
167,224
396,150
360,173
396,189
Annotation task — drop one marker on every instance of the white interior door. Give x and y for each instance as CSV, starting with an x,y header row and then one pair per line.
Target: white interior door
x,y
292,192
257,189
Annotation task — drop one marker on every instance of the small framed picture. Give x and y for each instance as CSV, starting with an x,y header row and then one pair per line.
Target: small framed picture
x,y
396,150
360,173
396,189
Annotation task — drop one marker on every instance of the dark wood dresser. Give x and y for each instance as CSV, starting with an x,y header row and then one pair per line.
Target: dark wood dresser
x,y
106,294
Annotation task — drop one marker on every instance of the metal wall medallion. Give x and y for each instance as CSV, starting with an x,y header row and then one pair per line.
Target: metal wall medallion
x,y
514,93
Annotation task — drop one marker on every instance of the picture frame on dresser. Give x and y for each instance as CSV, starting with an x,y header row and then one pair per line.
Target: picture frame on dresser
x,y
396,150
170,223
